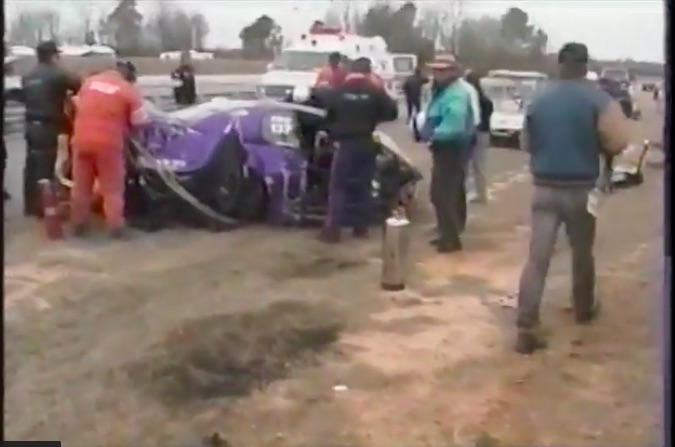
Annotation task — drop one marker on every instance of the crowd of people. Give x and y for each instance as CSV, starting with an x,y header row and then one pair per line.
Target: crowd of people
x,y
568,128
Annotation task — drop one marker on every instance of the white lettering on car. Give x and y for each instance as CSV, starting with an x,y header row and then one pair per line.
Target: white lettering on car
x,y
281,125
104,87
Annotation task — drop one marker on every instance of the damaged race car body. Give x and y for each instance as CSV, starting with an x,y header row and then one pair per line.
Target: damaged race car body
x,y
226,162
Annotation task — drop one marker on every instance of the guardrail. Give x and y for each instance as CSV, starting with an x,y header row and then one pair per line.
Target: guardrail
x,y
158,89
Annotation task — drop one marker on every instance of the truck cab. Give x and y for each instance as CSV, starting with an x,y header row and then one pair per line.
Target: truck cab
x,y
298,65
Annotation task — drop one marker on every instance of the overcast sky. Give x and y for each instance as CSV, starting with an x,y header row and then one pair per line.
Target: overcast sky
x,y
611,28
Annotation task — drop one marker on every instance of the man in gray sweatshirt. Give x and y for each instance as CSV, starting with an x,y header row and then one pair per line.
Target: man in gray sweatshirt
x,y
567,128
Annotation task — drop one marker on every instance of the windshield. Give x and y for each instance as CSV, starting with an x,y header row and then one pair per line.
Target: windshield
x,y
615,74
404,64
301,60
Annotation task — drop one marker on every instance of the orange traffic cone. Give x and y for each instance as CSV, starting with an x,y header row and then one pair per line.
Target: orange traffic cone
x,y
50,204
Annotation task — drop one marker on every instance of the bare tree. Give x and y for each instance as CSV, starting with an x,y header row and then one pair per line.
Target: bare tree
x,y
31,27
200,29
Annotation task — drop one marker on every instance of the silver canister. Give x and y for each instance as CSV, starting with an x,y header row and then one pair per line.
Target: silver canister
x,y
395,242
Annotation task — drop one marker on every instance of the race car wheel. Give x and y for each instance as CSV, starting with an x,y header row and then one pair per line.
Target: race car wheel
x,y
253,200
228,192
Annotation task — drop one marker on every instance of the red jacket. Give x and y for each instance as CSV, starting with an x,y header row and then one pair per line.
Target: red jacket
x,y
374,79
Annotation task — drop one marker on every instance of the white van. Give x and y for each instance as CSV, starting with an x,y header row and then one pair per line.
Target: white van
x,y
299,64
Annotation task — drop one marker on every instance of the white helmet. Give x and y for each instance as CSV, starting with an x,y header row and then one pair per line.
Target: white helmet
x,y
301,94
592,76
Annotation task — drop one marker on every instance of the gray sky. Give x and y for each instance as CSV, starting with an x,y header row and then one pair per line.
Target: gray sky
x,y
611,28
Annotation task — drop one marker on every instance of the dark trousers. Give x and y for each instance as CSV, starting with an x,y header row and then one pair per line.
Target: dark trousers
x,y
185,94
41,149
413,105
448,195
350,201
551,208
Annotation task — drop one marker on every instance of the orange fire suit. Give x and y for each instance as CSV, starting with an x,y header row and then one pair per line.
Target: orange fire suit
x,y
107,107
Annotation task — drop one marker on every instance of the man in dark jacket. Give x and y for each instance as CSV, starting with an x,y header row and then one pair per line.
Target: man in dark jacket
x,y
185,92
412,89
44,91
354,111
477,163
567,127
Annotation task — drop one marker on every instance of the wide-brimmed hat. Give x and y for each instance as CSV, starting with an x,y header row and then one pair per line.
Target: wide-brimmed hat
x,y
443,62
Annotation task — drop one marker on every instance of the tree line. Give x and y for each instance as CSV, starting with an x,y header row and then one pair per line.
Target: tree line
x,y
124,28
509,41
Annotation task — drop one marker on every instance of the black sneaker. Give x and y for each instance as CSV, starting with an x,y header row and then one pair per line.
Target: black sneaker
x,y
360,233
589,317
120,234
528,341
442,247
81,231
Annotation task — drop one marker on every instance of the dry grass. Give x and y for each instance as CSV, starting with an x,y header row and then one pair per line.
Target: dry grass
x,y
171,338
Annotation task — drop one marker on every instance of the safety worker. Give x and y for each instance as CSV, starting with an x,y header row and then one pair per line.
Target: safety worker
x,y
44,91
333,74
567,127
412,90
448,131
185,91
107,105
354,111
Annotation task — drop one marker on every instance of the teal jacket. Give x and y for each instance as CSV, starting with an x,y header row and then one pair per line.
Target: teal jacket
x,y
449,116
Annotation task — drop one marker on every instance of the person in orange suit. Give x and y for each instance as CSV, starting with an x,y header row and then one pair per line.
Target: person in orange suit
x,y
333,74
108,107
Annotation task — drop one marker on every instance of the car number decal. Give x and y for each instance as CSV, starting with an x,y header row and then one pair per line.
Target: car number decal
x,y
281,125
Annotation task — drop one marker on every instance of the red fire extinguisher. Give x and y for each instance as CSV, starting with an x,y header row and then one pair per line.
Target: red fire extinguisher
x,y
50,204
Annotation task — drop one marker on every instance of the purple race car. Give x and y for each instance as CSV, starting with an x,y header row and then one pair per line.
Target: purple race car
x,y
225,162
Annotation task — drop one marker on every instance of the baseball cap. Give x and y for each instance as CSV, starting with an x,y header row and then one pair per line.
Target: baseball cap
x,y
573,52
47,48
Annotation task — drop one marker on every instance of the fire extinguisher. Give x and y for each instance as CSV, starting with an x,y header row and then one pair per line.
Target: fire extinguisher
x,y
52,219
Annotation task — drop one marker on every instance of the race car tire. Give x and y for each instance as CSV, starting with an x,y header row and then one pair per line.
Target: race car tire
x,y
254,199
228,195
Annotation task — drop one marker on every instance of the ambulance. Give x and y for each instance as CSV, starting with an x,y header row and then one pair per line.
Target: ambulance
x,y
298,65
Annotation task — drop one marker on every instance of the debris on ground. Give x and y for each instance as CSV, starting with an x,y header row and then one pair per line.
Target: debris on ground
x,y
234,354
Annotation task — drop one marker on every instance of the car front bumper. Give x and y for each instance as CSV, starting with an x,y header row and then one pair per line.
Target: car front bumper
x,y
505,137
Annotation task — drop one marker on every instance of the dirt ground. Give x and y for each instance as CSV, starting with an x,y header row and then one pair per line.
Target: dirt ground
x,y
269,338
